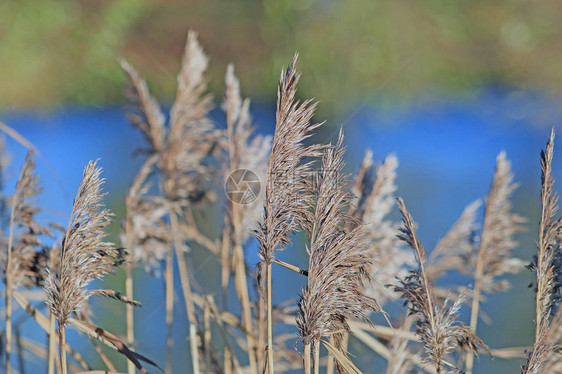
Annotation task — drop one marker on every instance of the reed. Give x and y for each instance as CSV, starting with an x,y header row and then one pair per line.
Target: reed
x,y
359,259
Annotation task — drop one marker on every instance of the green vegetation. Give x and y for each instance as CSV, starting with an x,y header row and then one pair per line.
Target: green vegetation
x,y
66,51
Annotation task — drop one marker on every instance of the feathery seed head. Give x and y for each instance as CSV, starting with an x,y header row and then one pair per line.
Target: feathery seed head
x,y
84,254
285,194
339,256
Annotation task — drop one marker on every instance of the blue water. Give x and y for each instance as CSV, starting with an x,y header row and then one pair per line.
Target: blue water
x,y
446,149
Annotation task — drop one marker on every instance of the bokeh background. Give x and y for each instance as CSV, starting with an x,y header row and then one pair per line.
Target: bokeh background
x,y
444,85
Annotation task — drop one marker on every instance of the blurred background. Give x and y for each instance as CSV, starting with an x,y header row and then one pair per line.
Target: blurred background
x,y
444,85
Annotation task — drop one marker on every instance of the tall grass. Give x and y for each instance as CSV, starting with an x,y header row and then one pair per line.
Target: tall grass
x,y
360,261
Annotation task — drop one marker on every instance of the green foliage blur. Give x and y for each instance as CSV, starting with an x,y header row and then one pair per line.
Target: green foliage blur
x,y
66,51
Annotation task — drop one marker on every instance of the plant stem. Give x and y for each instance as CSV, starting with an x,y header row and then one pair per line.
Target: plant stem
x,y
270,323
186,287
8,326
262,324
242,290
306,359
316,362
9,285
130,314
62,346
473,323
291,267
169,278
52,344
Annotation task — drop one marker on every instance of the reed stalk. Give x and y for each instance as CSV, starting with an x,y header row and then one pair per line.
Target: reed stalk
x,y
316,351
169,281
306,357
62,346
186,287
129,311
52,344
269,322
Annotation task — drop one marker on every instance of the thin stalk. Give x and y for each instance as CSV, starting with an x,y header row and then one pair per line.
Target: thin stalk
x,y
52,344
477,285
262,326
225,266
130,313
239,263
316,362
186,287
62,345
307,359
243,295
8,327
270,323
473,322
292,267
9,288
169,279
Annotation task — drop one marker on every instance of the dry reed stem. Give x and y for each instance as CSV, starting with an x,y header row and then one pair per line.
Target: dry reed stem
x,y
316,353
306,355
84,254
496,241
186,287
284,207
181,147
437,327
44,323
547,266
52,345
129,312
169,281
338,256
19,260
239,131
62,346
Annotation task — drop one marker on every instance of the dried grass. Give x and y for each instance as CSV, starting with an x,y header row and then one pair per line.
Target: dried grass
x,y
354,247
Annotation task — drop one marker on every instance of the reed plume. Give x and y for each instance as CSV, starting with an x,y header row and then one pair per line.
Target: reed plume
x,y
436,326
338,258
375,188
457,247
247,153
285,203
85,256
493,257
547,265
145,232
182,149
19,262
